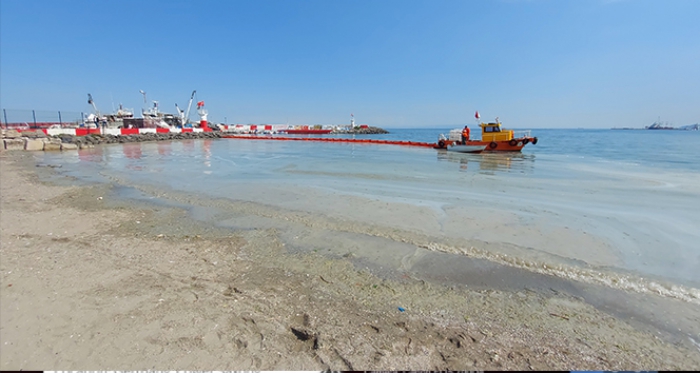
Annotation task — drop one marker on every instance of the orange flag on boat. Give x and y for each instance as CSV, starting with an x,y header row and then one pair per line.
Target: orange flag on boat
x,y
477,116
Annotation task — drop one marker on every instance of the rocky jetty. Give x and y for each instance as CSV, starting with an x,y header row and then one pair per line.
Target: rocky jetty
x,y
112,139
38,140
362,131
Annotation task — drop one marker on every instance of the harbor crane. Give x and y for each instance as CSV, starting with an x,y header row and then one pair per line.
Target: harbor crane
x,y
95,117
94,107
185,116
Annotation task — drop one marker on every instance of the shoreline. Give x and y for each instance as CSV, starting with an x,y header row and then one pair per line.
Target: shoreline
x,y
100,281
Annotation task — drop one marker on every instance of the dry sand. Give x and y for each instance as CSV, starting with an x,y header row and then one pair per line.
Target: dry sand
x,y
90,283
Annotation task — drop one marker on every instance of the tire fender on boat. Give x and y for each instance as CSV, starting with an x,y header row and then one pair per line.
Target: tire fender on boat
x,y
526,140
534,141
513,142
441,143
493,145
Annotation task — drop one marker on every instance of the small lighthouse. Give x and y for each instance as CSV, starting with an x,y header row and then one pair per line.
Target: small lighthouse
x,y
352,121
202,115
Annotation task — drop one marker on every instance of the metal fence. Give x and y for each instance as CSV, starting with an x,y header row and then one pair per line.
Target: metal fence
x,y
31,119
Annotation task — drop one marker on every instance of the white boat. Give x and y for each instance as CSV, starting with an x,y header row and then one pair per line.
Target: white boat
x,y
466,148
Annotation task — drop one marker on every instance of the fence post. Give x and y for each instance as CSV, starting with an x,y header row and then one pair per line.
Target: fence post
x,y
60,121
4,114
34,116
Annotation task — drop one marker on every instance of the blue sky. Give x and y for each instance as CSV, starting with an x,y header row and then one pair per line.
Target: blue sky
x,y
534,64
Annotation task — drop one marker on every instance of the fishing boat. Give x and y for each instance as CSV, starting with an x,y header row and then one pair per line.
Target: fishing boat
x,y
116,120
493,138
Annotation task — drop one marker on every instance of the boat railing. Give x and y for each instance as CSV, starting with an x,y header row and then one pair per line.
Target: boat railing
x,y
518,134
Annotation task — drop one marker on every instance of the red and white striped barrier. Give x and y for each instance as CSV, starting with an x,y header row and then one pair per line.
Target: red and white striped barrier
x,y
115,131
252,127
258,128
236,128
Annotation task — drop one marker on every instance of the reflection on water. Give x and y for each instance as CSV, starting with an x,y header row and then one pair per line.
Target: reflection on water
x,y
164,148
91,154
142,154
206,146
132,150
188,145
490,162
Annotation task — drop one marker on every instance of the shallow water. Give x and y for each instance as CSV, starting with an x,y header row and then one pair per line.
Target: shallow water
x,y
613,207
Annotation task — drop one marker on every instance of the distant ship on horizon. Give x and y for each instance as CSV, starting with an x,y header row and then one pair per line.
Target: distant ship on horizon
x,y
691,127
659,125
666,126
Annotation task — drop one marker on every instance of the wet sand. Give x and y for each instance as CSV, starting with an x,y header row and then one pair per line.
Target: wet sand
x,y
92,280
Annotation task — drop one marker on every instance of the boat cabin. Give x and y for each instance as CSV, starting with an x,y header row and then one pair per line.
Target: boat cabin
x,y
493,132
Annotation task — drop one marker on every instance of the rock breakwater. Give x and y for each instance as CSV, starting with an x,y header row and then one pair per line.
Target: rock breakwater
x,y
362,131
38,140
112,139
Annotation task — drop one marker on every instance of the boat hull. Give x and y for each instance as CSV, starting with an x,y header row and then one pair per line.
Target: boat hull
x,y
466,148
514,145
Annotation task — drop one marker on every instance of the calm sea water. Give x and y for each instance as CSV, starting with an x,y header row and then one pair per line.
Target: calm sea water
x,y
611,201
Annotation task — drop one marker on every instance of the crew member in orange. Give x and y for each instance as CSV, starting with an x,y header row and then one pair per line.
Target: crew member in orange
x,y
465,135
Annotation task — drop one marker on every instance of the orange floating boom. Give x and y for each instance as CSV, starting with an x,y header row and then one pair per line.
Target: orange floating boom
x,y
372,141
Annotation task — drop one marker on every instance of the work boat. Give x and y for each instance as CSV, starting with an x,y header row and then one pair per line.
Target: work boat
x,y
493,138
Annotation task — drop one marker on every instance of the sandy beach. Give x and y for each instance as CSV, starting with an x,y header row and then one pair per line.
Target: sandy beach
x,y
90,281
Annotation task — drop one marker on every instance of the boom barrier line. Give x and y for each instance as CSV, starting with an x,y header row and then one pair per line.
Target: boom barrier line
x,y
364,141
